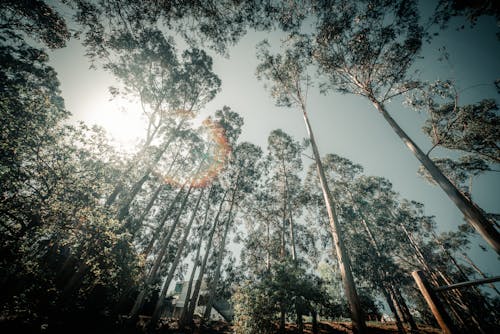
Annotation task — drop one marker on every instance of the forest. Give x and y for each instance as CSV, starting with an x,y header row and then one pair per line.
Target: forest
x,y
195,229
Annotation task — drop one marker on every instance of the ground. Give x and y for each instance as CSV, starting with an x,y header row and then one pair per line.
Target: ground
x,y
324,328
170,327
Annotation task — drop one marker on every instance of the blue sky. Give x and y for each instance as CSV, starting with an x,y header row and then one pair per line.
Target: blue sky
x,y
346,125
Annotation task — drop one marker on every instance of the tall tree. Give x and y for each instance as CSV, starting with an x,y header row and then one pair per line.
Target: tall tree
x,y
367,49
290,82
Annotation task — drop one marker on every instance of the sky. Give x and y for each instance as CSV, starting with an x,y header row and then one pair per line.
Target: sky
x,y
345,125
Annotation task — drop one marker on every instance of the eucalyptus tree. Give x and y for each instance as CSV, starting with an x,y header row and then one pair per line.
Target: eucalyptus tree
x,y
284,163
149,69
289,84
470,130
216,24
273,213
367,49
225,134
218,197
173,266
240,177
367,236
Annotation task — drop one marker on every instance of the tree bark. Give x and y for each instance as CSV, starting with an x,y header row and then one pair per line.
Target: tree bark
x,y
220,256
357,316
472,213
156,265
159,228
173,267
150,204
182,318
194,299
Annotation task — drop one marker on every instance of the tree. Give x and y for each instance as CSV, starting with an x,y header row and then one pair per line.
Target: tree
x,y
469,130
240,177
367,49
290,81
284,286
36,20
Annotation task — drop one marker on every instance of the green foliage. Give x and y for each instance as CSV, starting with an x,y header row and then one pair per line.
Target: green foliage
x,y
367,48
35,19
254,310
285,287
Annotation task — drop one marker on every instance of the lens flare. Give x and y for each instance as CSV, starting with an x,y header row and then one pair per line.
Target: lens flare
x,y
210,162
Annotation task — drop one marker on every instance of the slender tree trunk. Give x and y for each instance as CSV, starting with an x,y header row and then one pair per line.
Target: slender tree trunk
x,y
268,253
395,296
158,260
220,256
182,318
282,246
292,240
282,319
119,186
173,267
194,299
472,213
390,301
463,275
290,218
476,268
357,316
150,204
159,228
315,327
123,212
384,278
300,322
407,316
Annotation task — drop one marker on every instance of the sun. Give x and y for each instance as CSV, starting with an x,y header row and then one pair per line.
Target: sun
x,y
122,120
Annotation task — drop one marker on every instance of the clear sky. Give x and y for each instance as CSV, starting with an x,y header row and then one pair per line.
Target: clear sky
x,y
346,125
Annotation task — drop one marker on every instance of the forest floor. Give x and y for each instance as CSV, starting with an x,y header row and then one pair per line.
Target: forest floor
x,y
324,328
214,327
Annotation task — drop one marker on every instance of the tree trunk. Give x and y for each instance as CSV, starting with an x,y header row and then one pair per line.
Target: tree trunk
x,y
300,322
136,188
194,299
357,316
119,186
148,207
182,318
395,296
472,213
156,265
282,320
173,267
159,228
476,268
407,316
390,301
268,253
315,327
290,218
220,256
